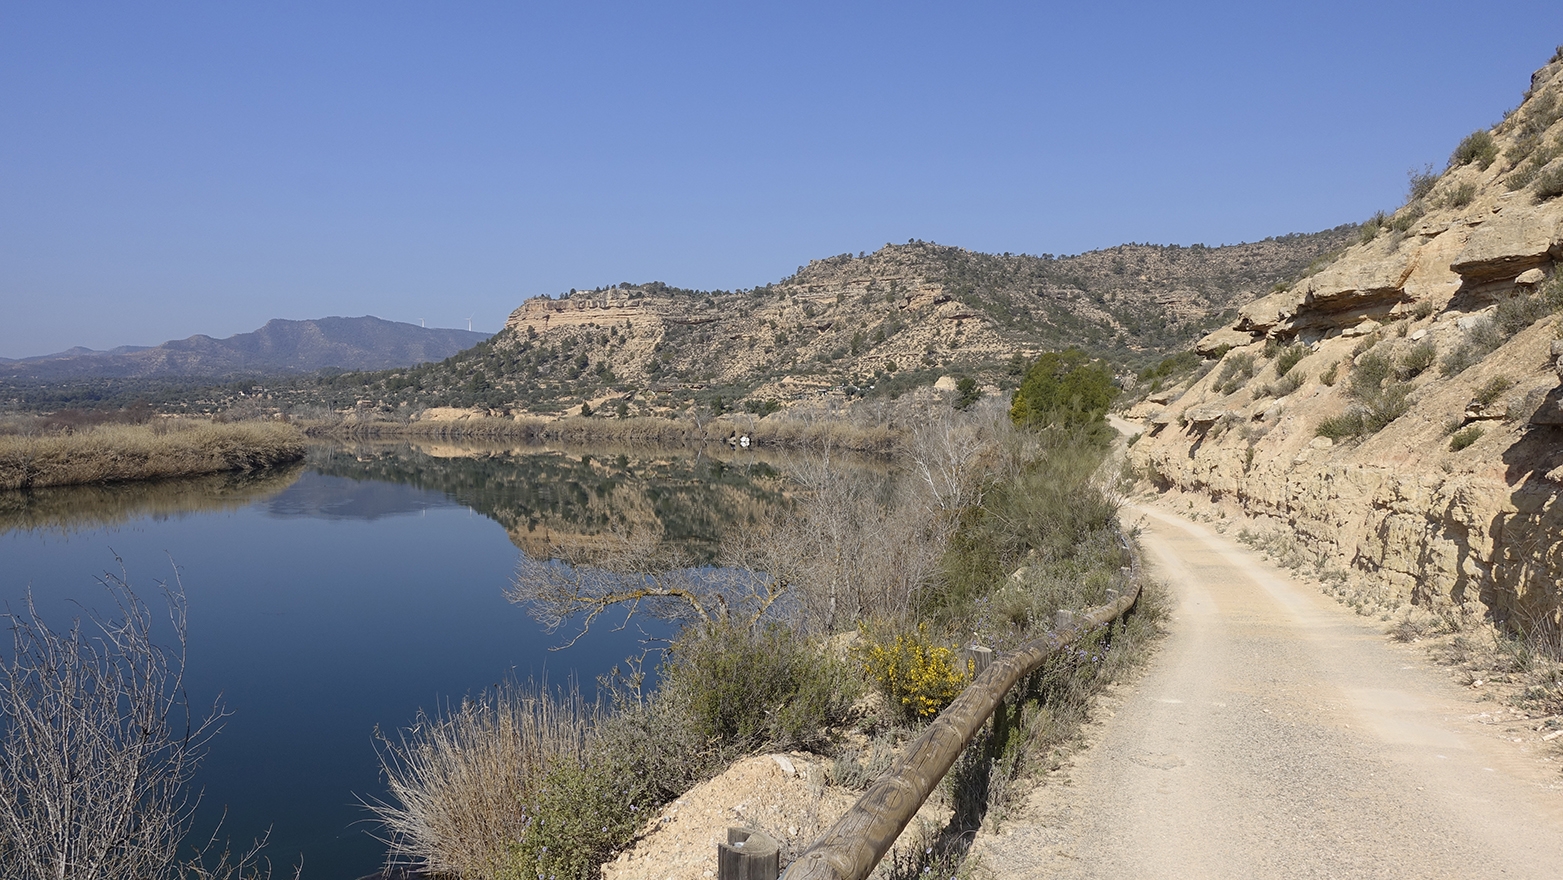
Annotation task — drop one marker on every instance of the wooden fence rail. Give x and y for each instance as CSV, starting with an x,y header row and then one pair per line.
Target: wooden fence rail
x,y
851,848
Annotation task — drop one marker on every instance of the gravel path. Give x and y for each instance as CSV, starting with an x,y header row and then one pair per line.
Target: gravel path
x,y
1276,734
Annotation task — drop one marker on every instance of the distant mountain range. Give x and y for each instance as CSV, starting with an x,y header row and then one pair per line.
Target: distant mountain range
x,y
366,343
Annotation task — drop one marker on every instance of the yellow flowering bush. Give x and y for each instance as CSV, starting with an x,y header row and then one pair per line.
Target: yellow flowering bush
x,y
919,676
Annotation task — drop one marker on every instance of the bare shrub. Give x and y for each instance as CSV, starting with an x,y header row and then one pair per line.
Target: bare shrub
x,y
99,746
634,572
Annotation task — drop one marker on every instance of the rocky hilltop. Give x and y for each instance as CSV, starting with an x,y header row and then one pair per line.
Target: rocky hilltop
x,y
281,346
1397,411
901,317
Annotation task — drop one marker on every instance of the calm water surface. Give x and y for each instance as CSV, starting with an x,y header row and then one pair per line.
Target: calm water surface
x,y
333,599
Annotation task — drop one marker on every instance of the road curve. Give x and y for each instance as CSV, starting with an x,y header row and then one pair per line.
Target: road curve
x,y
1276,734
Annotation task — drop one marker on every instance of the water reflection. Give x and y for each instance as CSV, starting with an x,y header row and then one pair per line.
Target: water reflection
x,y
67,509
552,499
346,593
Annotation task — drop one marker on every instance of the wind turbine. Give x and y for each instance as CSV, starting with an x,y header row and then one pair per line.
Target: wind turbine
x,y
469,323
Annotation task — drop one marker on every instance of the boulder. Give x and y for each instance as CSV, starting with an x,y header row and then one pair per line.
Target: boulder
x,y
1372,281
1508,245
1267,312
1204,415
1363,328
1221,340
1476,411
1530,278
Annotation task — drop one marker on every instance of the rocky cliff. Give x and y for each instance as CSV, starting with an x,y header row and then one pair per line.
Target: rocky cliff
x,y
1398,410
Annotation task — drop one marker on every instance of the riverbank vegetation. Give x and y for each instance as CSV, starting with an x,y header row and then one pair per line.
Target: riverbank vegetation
x,y
984,529
804,430
34,455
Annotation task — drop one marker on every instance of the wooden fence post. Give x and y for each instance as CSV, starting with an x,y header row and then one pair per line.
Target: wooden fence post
x,y
747,855
977,659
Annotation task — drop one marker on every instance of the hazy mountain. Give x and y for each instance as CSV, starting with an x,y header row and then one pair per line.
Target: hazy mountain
x,y
366,343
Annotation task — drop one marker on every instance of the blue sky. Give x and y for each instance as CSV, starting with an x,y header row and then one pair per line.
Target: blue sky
x,y
169,169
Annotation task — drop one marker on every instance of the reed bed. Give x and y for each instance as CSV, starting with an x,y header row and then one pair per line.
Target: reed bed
x,y
875,439
171,448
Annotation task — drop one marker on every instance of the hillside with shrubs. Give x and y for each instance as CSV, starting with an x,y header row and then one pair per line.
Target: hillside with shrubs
x,y
1391,423
845,327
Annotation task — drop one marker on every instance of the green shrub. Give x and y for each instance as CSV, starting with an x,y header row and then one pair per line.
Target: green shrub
x,y
1046,515
1236,368
725,691
1369,373
1171,365
1347,424
1290,357
966,392
1518,313
1489,393
1286,384
1370,229
1465,437
1064,389
1378,399
1423,310
1479,341
1419,182
1329,376
1460,195
1478,147
1415,360
1548,184
746,690
1521,177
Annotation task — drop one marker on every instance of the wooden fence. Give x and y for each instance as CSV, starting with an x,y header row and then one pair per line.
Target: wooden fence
x,y
851,848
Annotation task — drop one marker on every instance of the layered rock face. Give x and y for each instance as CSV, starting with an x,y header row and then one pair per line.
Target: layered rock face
x,y
1416,444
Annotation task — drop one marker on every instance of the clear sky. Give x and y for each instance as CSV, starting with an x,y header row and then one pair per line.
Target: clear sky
x,y
177,168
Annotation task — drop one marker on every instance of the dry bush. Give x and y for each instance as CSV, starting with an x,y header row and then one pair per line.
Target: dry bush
x,y
461,784
137,452
99,747
857,545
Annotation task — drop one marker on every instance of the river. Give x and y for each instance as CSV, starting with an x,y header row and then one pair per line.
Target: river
x,y
342,596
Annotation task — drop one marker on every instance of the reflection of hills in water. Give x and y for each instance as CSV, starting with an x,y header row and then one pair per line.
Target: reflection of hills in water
x,y
547,498
78,508
330,497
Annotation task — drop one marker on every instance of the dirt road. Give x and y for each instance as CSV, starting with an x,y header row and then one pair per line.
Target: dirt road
x,y
1276,734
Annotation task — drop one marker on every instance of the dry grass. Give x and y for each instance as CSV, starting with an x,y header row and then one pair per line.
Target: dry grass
x,y
460,785
780,431
107,453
